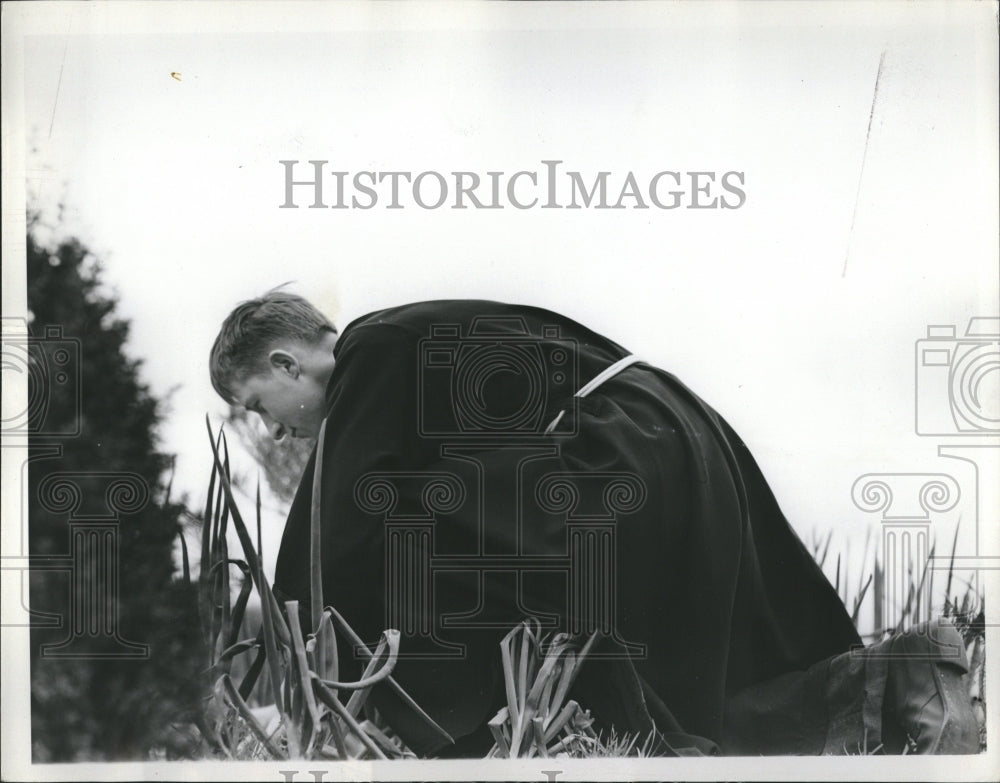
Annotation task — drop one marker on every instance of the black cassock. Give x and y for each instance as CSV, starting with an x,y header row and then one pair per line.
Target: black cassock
x,y
449,514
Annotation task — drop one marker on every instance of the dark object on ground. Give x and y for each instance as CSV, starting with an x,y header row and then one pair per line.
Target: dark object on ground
x,y
927,691
910,688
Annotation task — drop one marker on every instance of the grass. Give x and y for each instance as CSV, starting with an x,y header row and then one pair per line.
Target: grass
x,y
309,719
539,719
965,608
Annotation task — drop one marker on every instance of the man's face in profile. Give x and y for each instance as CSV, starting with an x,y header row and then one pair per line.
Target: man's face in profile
x,y
289,401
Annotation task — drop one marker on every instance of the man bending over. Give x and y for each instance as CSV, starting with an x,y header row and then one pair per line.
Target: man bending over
x,y
484,462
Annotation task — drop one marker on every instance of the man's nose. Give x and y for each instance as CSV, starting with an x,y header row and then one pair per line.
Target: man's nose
x,y
274,429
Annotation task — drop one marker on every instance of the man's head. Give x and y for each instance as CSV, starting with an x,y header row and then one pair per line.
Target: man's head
x,y
274,356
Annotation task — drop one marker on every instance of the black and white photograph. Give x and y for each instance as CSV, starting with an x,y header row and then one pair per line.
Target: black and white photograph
x,y
500,391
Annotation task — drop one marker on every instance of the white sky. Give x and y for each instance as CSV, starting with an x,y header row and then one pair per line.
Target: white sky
x,y
175,184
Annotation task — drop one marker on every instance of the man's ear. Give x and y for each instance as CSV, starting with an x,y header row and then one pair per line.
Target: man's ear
x,y
285,362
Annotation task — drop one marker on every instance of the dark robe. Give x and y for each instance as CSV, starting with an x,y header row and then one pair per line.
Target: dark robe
x,y
689,568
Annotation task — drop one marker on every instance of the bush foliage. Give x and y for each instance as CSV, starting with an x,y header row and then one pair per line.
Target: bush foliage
x,y
94,708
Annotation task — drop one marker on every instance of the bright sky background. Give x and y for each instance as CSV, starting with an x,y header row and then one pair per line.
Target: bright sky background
x,y
796,316
175,184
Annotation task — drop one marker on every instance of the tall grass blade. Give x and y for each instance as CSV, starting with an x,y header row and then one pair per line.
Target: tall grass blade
x,y
338,733
864,559
382,739
879,586
248,716
250,553
185,559
930,578
226,595
325,635
326,696
565,679
370,678
583,654
170,481
537,702
538,737
271,654
561,720
913,597
497,725
233,650
316,603
270,637
826,549
219,553
216,555
545,701
274,628
205,602
299,647
253,673
904,615
859,599
847,570
918,593
951,564
507,662
260,543
522,672
239,608
371,674
534,711
359,645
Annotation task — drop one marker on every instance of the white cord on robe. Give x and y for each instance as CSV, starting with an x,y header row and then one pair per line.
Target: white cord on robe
x,y
609,372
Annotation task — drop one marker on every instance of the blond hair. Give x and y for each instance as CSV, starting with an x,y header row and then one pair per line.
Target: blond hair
x,y
251,330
